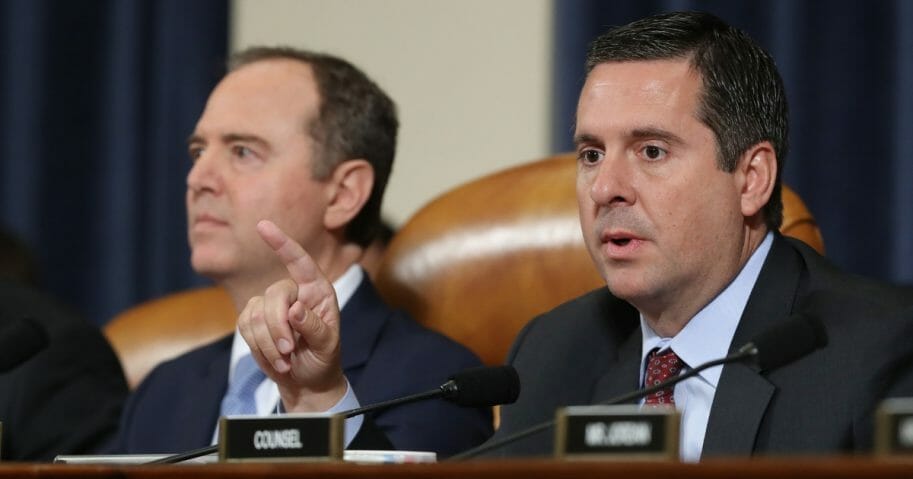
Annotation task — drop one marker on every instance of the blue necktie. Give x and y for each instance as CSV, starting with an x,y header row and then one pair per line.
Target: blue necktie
x,y
240,396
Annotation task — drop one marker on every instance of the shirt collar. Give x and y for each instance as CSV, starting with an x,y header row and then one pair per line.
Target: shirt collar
x,y
345,287
708,335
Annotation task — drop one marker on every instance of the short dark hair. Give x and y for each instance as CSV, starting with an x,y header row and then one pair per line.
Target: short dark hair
x,y
356,119
742,100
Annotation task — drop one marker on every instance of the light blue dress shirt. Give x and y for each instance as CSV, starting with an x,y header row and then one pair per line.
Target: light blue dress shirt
x,y
706,337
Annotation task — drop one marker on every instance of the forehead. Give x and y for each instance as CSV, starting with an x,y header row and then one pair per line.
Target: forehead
x,y
639,94
274,94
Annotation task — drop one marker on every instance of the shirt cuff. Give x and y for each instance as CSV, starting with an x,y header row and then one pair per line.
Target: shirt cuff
x,y
348,402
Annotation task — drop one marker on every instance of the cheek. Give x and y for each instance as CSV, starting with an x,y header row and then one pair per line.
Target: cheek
x,y
299,203
585,203
256,199
251,201
586,210
671,210
685,218
300,198
707,218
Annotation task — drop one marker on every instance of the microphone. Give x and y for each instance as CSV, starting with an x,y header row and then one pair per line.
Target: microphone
x,y
19,341
484,386
785,342
776,347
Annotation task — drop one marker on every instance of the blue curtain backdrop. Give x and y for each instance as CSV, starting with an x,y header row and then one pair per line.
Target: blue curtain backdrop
x,y
98,98
848,69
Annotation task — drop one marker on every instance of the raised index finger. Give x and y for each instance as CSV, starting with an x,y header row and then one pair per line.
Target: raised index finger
x,y
300,265
314,290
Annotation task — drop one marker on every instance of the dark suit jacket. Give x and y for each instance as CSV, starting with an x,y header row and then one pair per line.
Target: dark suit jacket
x,y
66,399
588,350
385,355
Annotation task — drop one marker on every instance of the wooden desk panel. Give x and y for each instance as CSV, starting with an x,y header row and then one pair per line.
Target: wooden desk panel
x,y
747,469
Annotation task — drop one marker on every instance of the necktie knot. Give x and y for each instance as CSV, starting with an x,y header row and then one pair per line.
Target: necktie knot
x,y
660,367
240,399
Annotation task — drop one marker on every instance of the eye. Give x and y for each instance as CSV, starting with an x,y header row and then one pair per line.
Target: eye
x,y
194,153
589,157
245,155
653,152
241,151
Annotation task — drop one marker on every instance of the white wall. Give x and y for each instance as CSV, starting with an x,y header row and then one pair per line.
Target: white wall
x,y
471,78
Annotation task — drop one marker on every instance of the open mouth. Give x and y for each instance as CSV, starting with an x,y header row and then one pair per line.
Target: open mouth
x,y
620,241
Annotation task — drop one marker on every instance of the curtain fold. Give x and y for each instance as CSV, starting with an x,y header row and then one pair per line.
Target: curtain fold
x,y
98,99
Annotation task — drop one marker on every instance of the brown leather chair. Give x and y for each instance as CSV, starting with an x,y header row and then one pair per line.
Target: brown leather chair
x,y
480,261
160,329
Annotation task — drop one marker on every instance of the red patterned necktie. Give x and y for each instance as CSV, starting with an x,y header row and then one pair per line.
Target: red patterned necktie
x,y
660,367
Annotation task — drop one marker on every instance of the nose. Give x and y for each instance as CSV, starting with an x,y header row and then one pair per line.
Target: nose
x,y
204,174
611,182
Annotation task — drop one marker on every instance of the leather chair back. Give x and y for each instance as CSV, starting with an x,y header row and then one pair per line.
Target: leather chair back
x,y
164,328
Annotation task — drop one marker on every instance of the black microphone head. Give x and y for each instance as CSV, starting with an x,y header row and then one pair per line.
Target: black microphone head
x,y
788,341
483,386
19,341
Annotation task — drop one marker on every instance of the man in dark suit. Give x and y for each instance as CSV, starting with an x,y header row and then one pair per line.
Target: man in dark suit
x,y
305,141
681,132
67,398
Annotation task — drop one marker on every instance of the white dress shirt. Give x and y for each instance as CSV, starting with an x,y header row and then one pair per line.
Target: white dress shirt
x,y
267,393
706,337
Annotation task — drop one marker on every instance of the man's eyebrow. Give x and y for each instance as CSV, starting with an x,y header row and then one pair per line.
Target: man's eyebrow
x,y
657,134
229,138
232,137
584,138
637,133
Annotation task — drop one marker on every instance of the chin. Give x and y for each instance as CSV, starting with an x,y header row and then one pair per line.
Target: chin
x,y
210,266
625,286
625,292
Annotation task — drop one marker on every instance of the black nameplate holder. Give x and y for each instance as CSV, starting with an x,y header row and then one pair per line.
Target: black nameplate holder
x,y
894,427
621,432
286,437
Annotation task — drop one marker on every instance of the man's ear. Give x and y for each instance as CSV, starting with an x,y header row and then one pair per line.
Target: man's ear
x,y
350,187
757,170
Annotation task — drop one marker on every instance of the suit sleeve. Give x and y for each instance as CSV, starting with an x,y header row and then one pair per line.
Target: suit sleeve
x,y
408,362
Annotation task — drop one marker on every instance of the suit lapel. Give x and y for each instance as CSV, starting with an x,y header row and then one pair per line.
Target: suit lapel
x,y
361,322
201,411
733,428
622,376
622,363
743,394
